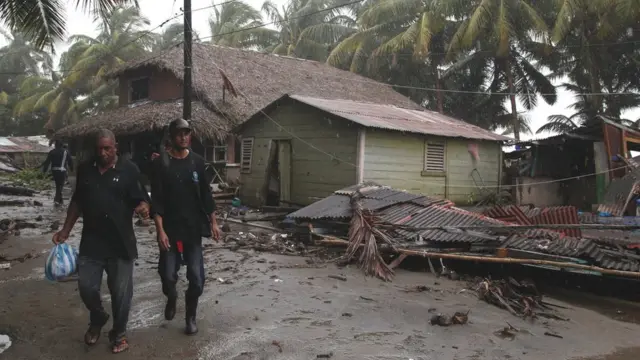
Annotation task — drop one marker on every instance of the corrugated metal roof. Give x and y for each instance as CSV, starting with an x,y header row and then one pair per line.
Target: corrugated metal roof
x,y
375,197
395,118
619,193
416,211
21,144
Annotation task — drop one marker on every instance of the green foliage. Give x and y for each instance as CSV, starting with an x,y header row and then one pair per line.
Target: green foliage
x,y
471,59
31,178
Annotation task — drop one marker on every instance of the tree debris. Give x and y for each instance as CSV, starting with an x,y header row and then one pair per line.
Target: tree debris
x,y
364,233
458,318
519,298
16,190
338,277
548,333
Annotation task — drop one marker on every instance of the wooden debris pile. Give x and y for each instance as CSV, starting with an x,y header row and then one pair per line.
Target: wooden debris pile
x,y
364,238
519,298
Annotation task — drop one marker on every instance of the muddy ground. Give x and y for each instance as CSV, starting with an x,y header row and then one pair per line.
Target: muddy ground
x,y
285,307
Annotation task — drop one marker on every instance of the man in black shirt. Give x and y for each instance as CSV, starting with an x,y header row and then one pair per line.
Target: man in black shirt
x,y
107,193
184,212
59,159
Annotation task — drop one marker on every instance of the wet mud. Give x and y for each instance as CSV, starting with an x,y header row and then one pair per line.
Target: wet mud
x,y
259,305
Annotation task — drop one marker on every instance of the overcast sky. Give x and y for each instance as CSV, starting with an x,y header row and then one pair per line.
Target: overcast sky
x,y
157,11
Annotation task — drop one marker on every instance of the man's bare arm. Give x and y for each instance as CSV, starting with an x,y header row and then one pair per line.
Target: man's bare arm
x,y
73,213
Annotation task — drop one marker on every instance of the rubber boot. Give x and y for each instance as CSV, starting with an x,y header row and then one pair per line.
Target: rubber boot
x,y
170,308
190,318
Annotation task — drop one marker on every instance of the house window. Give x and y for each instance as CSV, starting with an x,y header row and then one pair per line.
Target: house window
x,y
434,157
246,154
215,153
139,89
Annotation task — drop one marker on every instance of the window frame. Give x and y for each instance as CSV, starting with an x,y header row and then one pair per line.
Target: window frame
x,y
131,81
246,160
426,171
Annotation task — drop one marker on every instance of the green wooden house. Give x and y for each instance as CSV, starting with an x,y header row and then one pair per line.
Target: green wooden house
x,y
300,149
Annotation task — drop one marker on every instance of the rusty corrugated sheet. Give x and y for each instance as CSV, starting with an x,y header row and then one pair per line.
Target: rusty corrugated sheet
x,y
509,213
619,192
21,144
559,215
395,118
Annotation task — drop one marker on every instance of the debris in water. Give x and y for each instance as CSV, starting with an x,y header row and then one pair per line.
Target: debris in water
x,y
5,266
508,332
324,356
277,343
223,281
459,318
417,288
519,298
5,343
338,277
55,225
548,333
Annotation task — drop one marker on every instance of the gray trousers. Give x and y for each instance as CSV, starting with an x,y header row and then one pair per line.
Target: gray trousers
x,y
120,284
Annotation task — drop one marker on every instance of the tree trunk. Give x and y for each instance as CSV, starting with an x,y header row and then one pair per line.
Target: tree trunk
x,y
512,99
439,94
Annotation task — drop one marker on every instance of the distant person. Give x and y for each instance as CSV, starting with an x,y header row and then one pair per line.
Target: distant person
x,y
107,193
59,159
184,213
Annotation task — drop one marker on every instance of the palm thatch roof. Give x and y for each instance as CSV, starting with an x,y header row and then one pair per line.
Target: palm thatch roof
x,y
149,116
235,83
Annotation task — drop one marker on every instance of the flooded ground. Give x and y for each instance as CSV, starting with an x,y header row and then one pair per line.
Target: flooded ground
x,y
264,306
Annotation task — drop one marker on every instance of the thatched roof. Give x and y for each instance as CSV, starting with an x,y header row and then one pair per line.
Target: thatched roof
x,y
148,116
264,78
258,79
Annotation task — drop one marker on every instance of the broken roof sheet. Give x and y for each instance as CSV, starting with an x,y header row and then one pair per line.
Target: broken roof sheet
x,y
382,116
21,144
415,211
375,197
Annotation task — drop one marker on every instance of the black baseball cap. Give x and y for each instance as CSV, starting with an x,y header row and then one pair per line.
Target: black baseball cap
x,y
179,124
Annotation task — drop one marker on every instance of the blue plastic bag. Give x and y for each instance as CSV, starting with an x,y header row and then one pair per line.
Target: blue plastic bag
x,y
62,262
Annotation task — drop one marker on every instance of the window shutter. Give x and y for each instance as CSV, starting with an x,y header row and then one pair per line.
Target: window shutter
x,y
434,158
246,154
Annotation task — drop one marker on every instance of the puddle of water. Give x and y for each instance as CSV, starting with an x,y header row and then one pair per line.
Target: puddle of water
x,y
5,343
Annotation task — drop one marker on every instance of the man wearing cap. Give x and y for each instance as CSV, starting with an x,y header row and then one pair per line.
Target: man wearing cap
x,y
184,213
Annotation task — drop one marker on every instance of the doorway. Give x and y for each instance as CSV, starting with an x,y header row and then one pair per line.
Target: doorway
x,y
278,181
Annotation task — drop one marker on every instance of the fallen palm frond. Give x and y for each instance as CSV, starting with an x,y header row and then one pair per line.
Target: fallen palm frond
x,y
520,299
363,233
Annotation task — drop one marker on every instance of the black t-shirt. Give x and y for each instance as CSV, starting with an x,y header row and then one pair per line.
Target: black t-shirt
x,y
107,202
181,195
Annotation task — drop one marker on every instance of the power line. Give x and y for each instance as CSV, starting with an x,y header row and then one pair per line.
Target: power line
x,y
293,135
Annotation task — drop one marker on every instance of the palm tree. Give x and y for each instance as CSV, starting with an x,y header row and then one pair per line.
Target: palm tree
x,y
390,32
238,24
42,21
308,29
523,123
560,124
172,35
120,39
19,60
506,31
83,88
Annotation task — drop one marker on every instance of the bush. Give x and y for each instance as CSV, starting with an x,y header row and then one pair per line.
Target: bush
x,y
31,178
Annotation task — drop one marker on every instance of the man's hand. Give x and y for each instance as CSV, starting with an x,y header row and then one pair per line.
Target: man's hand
x,y
143,210
154,155
215,230
163,241
60,237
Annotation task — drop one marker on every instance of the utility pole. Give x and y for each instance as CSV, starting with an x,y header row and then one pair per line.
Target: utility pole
x,y
188,38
